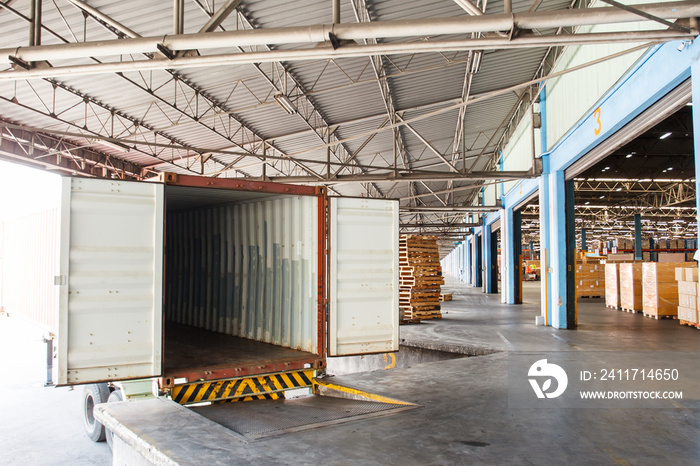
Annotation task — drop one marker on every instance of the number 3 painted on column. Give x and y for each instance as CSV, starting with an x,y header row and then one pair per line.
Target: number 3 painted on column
x,y
596,114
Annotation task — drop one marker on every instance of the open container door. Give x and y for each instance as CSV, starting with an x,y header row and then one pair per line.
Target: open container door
x,y
110,312
364,276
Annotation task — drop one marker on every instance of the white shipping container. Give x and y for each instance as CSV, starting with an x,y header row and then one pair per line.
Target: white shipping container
x,y
206,279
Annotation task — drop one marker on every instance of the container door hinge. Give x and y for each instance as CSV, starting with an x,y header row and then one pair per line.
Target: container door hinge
x,y
59,280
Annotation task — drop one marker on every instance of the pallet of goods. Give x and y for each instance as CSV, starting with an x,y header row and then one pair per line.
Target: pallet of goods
x,y
660,289
631,287
420,278
612,285
687,278
590,279
531,269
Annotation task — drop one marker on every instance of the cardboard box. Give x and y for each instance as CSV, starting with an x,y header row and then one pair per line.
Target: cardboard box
x,y
590,279
672,257
612,285
660,288
680,274
631,286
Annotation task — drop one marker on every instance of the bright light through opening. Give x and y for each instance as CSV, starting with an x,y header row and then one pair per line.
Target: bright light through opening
x,y
25,190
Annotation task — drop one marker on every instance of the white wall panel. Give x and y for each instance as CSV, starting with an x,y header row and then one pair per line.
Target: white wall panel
x,y
570,96
29,262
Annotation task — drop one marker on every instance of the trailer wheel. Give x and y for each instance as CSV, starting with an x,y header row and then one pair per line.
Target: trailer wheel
x,y
114,397
94,394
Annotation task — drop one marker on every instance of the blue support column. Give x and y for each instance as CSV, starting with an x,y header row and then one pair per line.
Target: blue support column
x,y
486,261
557,240
570,228
532,250
583,240
545,251
512,240
493,262
468,260
638,236
476,271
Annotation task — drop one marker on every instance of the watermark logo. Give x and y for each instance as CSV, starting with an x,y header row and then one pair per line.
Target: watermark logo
x,y
542,369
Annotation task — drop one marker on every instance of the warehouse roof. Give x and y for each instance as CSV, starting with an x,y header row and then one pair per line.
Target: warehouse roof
x,y
356,121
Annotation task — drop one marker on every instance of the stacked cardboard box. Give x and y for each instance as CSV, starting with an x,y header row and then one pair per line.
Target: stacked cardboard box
x,y
687,278
612,285
420,277
631,286
660,289
623,243
677,244
590,279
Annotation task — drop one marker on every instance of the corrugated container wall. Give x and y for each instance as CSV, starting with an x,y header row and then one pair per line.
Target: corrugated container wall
x,y
30,248
247,269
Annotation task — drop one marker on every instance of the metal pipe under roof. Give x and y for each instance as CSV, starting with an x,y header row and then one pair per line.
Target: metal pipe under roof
x,y
424,27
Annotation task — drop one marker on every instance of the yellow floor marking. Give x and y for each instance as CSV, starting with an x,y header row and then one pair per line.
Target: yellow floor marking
x,y
615,458
392,364
370,396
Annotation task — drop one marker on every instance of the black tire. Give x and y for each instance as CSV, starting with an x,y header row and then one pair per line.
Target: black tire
x,y
114,397
93,395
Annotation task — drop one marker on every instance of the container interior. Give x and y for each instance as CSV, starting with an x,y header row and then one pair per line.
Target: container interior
x,y
240,279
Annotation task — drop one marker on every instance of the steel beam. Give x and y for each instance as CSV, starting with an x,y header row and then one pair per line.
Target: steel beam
x,y
453,209
221,14
357,31
399,146
202,98
53,153
408,177
307,111
439,225
348,51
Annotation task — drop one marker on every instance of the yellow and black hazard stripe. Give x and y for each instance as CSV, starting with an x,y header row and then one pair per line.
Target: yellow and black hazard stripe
x,y
266,396
242,388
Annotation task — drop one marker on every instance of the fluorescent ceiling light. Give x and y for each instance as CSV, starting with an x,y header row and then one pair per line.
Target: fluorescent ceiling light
x,y
285,103
112,145
476,61
665,135
628,156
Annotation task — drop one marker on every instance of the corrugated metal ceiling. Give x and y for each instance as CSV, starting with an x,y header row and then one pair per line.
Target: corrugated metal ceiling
x,y
205,108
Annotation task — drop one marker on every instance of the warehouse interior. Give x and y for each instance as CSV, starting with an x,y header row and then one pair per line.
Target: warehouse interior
x,y
535,160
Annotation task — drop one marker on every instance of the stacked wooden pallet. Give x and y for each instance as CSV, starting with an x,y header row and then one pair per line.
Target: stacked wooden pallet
x,y
445,297
420,277
687,278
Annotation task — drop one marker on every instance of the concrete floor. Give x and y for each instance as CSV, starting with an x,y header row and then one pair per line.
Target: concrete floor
x,y
464,416
38,425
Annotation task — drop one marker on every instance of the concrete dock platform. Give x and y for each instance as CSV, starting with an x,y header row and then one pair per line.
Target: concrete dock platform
x,y
464,415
